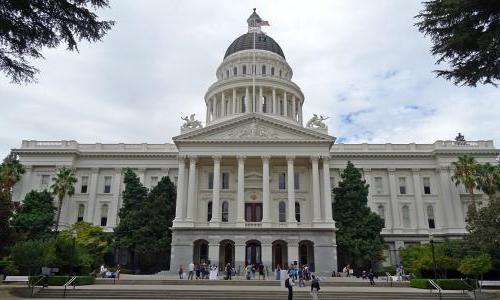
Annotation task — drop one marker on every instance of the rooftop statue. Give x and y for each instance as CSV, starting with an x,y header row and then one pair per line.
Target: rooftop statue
x,y
316,122
191,123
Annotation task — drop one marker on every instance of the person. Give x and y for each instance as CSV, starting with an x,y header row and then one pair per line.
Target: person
x,y
261,271
117,276
351,271
228,271
103,271
370,276
191,271
248,270
398,273
278,272
253,271
197,269
289,283
314,287
181,271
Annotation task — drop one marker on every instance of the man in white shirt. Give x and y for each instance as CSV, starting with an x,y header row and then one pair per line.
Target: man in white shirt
x,y
191,271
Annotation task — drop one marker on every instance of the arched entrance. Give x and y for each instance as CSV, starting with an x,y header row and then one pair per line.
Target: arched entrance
x,y
280,254
306,254
253,252
200,251
226,253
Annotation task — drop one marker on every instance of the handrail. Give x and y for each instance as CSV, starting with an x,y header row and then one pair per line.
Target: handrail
x,y
389,277
42,277
71,281
470,288
436,286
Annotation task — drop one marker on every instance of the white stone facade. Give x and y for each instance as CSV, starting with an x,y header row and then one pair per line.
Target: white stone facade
x,y
254,185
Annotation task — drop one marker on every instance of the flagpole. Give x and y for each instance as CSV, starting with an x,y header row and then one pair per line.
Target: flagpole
x,y
254,70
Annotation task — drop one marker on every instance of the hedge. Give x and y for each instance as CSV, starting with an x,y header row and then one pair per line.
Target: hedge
x,y
445,284
61,280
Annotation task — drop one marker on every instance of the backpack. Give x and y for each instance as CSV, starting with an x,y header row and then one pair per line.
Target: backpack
x,y
287,283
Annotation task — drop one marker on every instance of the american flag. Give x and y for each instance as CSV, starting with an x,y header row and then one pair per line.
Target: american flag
x,y
264,23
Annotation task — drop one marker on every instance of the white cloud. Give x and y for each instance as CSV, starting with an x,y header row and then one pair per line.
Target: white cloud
x,y
362,59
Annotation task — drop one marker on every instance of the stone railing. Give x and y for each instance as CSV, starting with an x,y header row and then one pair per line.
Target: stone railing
x,y
98,147
253,224
412,147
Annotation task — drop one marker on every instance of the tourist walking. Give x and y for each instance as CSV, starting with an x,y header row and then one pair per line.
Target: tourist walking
x,y
248,270
228,271
261,271
278,272
314,287
191,271
197,269
289,283
370,276
181,272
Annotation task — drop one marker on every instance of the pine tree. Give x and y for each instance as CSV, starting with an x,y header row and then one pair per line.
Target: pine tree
x,y
35,218
358,237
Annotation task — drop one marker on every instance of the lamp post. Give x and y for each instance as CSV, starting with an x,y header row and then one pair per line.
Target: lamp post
x,y
431,240
73,250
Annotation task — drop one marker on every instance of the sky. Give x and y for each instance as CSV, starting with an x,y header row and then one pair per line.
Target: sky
x,y
362,63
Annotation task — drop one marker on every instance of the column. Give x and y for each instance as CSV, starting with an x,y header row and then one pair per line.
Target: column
x,y
396,220
180,201
294,111
247,100
419,203
260,101
275,111
327,192
267,252
213,252
285,105
214,108
446,197
216,193
94,178
315,190
191,205
293,251
223,113
207,117
114,207
239,254
141,173
368,178
234,102
266,201
292,222
240,215
300,112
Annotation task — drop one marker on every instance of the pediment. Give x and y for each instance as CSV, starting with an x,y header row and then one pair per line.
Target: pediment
x,y
254,128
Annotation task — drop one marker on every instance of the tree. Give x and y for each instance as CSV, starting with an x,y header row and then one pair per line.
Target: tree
x,y
465,34
35,218
64,185
11,171
484,228
26,27
27,257
358,235
488,179
466,173
475,265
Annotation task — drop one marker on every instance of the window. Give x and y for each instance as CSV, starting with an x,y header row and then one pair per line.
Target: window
x,y
210,181
225,181
104,215
264,104
297,211
225,211
282,181
430,217
381,212
282,109
154,181
402,185
84,184
235,71
209,211
282,211
406,216
243,104
263,70
296,181
378,185
107,184
244,70
44,181
272,71
280,73
227,74
81,211
427,185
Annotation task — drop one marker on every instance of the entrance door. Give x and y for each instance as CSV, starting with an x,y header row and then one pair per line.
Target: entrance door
x,y
253,212
278,256
253,253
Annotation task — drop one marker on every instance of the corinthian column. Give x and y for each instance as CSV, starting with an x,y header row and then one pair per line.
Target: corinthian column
x,y
191,205
240,212
327,193
216,193
266,201
291,191
179,204
316,192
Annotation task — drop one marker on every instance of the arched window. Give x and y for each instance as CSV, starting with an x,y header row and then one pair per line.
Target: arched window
x,y
264,104
243,104
282,211
282,108
430,217
81,211
381,212
227,73
406,216
244,70
280,73
272,71
209,211
235,71
297,211
104,215
263,70
225,211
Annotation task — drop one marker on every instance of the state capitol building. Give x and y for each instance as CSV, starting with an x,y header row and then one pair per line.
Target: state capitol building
x,y
254,185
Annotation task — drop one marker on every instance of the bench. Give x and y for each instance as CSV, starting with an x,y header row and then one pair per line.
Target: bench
x,y
489,283
16,279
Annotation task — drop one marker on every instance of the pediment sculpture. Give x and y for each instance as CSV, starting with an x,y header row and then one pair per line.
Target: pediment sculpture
x,y
191,122
316,122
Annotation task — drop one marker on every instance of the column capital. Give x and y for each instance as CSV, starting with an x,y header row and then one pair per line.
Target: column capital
x,y
415,170
94,170
193,158
314,158
119,170
165,170
28,168
325,158
241,157
290,158
217,158
266,158
391,170
367,170
181,157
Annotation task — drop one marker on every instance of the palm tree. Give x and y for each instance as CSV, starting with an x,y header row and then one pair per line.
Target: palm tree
x,y
466,173
64,184
10,173
489,179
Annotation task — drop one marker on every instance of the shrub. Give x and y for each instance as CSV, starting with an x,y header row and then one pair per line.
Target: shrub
x,y
445,284
420,283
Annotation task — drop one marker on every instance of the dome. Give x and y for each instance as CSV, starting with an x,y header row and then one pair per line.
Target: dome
x,y
262,42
